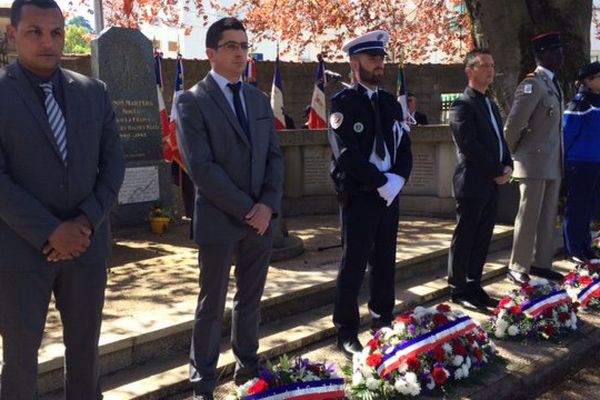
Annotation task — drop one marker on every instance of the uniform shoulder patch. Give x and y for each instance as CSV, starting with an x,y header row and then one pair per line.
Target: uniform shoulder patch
x,y
528,88
336,119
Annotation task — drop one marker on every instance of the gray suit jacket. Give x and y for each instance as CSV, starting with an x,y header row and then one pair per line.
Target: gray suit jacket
x,y
230,173
37,191
533,129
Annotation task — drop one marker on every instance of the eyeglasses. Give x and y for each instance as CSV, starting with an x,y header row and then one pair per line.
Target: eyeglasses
x,y
235,46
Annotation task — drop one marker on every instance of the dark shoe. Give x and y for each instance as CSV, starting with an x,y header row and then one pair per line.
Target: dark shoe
x,y
546,273
243,375
469,302
378,323
349,346
485,298
517,277
203,396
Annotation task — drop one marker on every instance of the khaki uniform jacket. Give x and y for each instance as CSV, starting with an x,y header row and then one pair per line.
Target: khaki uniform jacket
x,y
533,128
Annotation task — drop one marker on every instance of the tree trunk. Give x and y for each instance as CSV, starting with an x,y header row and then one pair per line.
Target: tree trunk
x,y
506,27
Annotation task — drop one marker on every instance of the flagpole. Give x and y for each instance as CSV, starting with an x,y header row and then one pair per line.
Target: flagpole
x,y
98,16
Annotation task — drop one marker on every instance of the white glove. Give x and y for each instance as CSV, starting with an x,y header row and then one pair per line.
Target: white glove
x,y
392,187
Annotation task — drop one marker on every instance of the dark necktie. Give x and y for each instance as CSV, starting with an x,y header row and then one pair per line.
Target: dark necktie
x,y
379,141
56,120
237,104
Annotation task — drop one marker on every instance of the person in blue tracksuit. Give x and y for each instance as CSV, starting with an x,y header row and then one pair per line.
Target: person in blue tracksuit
x,y
582,163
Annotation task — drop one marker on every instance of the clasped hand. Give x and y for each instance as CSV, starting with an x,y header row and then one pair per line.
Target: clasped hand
x,y
69,240
259,218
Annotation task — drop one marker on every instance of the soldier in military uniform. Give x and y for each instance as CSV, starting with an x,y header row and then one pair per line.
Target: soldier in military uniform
x,y
533,132
372,162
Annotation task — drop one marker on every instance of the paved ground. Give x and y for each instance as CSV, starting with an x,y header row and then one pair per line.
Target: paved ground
x,y
583,384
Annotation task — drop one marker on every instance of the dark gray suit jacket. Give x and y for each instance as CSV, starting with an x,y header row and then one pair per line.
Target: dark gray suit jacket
x,y
37,191
230,173
477,146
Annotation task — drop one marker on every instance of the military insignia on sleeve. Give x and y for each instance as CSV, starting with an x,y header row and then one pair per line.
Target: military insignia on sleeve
x,y
358,127
528,88
336,119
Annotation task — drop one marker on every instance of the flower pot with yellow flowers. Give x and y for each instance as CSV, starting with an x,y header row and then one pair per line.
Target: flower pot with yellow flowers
x,y
159,218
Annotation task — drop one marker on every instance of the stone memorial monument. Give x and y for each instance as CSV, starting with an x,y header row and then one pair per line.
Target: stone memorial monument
x,y
123,59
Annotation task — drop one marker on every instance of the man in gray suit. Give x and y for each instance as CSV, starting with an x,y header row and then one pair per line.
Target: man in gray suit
x,y
533,132
61,167
229,145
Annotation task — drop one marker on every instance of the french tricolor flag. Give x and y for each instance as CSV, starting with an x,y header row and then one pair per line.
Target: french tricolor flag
x,y
176,155
318,116
162,110
250,72
277,98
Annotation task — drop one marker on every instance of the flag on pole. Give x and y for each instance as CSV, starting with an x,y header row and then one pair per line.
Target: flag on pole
x,y
250,72
401,97
317,117
162,110
277,98
176,155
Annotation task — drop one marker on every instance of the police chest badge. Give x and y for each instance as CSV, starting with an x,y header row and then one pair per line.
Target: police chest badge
x,y
336,119
358,127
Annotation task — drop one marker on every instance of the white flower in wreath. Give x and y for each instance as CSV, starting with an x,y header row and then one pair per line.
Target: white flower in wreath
x,y
357,379
447,347
430,383
468,361
231,397
458,374
573,321
499,333
387,333
399,327
513,330
538,282
465,369
457,360
372,384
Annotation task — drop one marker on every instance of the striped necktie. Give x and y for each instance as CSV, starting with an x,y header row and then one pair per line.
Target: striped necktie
x,y
56,120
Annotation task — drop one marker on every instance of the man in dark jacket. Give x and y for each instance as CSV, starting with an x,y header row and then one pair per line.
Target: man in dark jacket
x,y
373,162
484,162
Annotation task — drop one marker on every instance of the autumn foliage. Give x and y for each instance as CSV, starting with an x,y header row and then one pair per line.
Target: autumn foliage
x,y
418,28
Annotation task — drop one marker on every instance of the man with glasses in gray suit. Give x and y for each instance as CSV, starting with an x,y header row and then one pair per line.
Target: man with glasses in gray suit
x,y
229,145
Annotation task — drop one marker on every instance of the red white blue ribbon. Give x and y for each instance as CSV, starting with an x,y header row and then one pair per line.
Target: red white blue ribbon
x,y
426,342
588,293
538,306
314,390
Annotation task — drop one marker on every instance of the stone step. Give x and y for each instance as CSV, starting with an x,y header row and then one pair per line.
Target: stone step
x,y
162,379
135,349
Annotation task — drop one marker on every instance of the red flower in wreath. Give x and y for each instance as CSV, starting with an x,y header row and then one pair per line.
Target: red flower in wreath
x,y
548,313
563,316
443,308
504,302
374,360
528,289
413,363
439,376
373,344
258,387
515,310
549,330
459,349
585,280
439,354
440,319
478,354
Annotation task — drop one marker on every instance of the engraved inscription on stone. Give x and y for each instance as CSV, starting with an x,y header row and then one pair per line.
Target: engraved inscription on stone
x,y
422,178
316,170
122,58
140,185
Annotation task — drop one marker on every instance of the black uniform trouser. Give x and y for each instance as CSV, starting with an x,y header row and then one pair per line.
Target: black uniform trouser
x,y
369,231
24,299
475,218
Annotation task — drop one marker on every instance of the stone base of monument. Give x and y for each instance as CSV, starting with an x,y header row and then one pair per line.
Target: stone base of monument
x,y
288,247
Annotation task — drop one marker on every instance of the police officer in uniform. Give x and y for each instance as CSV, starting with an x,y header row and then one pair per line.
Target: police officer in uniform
x,y
533,132
372,162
